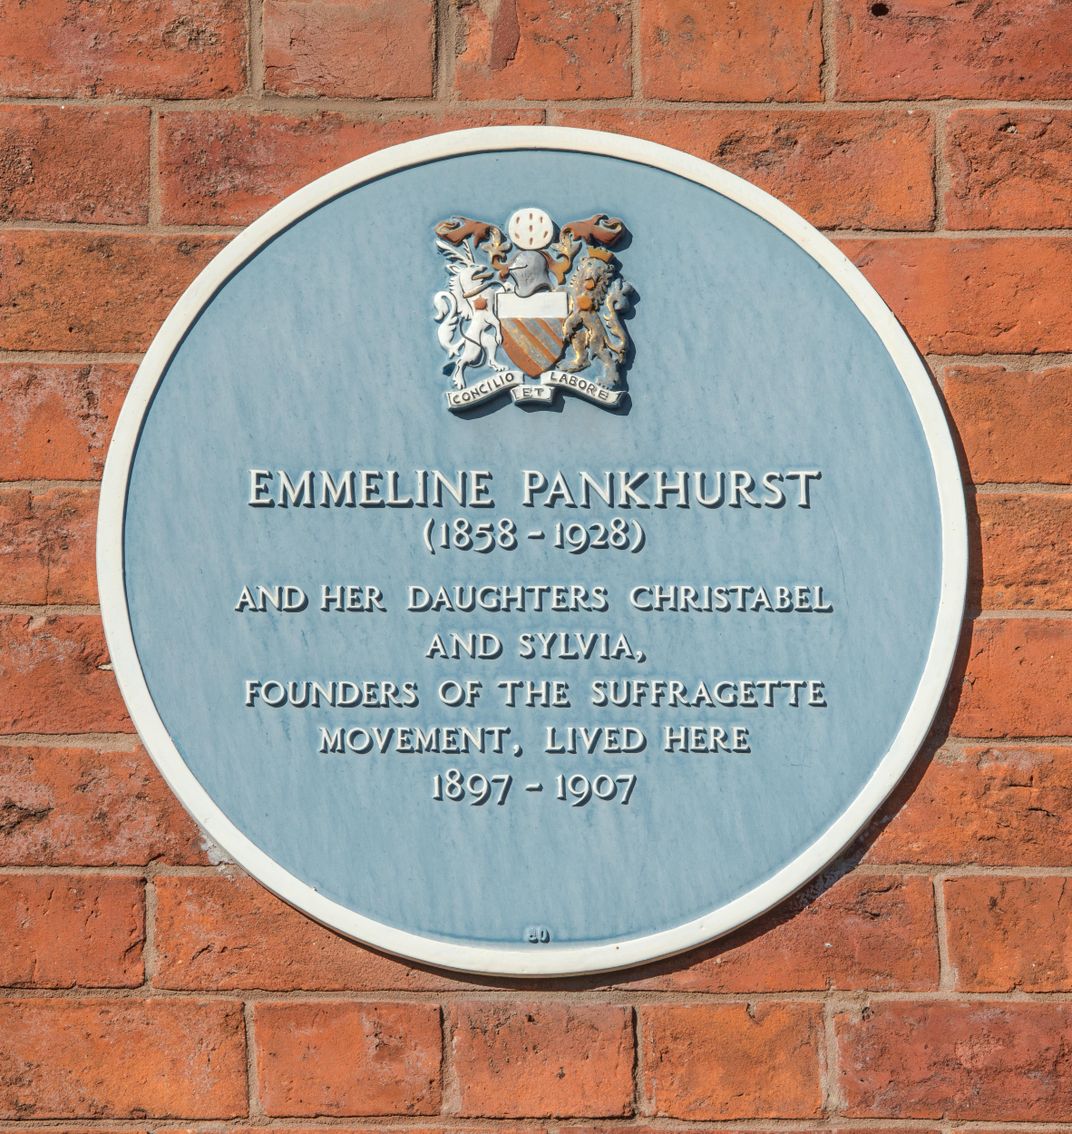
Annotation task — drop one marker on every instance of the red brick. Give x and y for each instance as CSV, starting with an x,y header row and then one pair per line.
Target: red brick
x,y
542,1059
997,806
865,931
229,167
724,51
544,49
934,49
223,933
47,545
1007,1061
51,676
983,294
728,1061
1016,682
333,1058
632,1128
66,930
1010,934
121,1058
89,807
349,48
70,163
92,291
170,48
57,418
848,169
1027,550
1009,169
1015,426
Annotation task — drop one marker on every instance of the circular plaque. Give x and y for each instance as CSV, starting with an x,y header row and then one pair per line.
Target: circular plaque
x,y
532,551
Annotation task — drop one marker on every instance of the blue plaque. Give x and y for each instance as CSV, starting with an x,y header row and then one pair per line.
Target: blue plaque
x,y
532,551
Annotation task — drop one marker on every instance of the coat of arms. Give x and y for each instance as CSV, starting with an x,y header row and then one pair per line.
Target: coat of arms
x,y
530,313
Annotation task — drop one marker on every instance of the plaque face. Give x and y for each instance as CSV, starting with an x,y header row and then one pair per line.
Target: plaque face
x,y
532,551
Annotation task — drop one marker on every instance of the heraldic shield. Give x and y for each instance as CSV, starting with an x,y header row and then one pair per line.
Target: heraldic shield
x,y
532,329
552,306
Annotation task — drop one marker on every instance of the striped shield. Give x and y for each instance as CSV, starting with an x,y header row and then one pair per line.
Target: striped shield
x,y
532,329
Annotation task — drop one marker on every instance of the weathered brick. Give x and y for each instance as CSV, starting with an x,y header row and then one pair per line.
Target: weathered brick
x,y
934,49
170,48
223,933
965,295
999,806
1005,1061
542,1059
121,1058
1008,934
1016,683
631,1128
723,51
1009,168
51,676
333,1058
229,167
349,48
544,49
1015,426
92,291
66,930
57,418
727,1061
865,931
89,807
1026,550
71,163
47,545
847,169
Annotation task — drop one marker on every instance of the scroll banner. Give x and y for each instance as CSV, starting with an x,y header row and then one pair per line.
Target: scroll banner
x,y
540,391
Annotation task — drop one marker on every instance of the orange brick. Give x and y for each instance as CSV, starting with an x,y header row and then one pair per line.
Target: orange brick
x,y
170,48
984,294
865,931
846,169
62,930
1016,683
47,539
723,51
1015,426
349,48
613,1128
1009,169
934,49
1027,550
57,418
51,679
1010,934
542,1059
92,291
229,167
224,933
120,1058
70,163
727,1061
998,806
544,49
1004,1061
89,807
333,1058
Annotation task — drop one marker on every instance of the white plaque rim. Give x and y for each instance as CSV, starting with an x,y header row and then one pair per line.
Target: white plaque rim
x,y
536,960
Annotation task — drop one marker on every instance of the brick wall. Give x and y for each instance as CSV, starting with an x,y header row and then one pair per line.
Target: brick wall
x,y
925,981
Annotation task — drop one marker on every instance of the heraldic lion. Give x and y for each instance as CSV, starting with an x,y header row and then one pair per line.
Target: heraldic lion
x,y
592,329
